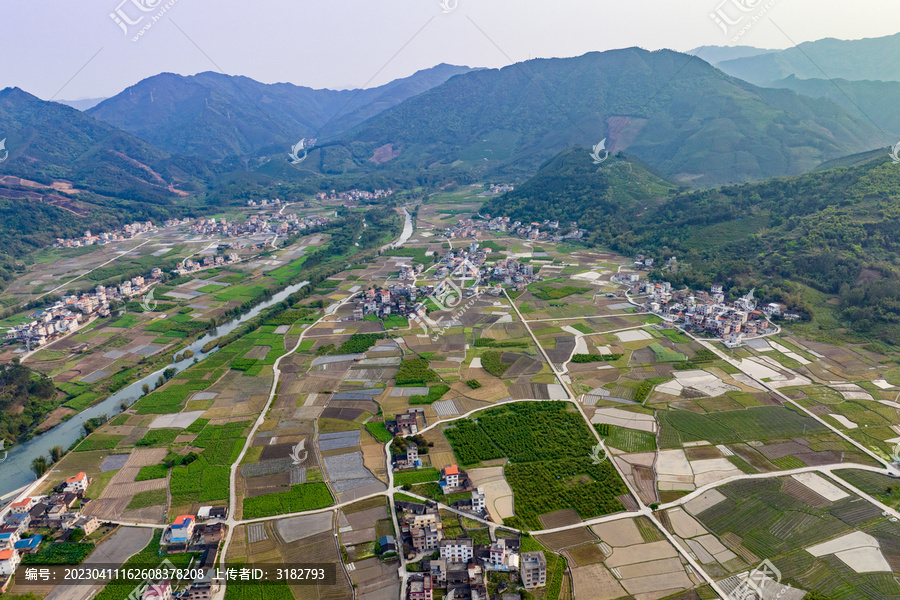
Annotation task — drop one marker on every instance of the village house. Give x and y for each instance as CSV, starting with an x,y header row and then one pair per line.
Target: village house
x,y
533,569
182,530
87,524
420,588
460,550
77,483
9,561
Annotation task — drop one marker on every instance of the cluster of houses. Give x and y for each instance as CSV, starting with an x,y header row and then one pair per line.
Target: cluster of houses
x,y
501,188
57,511
459,565
276,224
471,263
275,202
709,312
66,315
354,195
545,231
89,239
208,262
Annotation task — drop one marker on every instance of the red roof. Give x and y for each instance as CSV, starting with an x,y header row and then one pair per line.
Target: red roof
x,y
24,502
451,470
6,554
180,520
77,477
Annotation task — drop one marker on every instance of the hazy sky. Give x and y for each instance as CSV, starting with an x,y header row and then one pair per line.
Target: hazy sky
x,y
74,49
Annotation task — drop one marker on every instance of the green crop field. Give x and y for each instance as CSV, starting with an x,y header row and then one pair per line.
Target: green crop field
x,y
777,526
549,449
301,497
416,476
676,336
663,354
379,431
631,440
756,423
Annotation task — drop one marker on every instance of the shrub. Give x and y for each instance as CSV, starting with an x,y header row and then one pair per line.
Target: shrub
x,y
415,370
492,362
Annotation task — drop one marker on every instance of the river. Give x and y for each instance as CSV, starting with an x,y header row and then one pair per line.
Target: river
x,y
407,231
15,471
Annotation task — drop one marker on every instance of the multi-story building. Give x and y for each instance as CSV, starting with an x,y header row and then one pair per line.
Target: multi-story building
x,y
420,588
460,550
533,569
478,500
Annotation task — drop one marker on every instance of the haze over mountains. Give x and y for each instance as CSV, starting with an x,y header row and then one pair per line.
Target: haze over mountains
x,y
876,59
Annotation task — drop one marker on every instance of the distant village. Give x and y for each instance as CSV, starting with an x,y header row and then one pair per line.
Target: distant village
x,y
707,312
35,523
545,231
65,315
89,239
462,264
354,195
276,224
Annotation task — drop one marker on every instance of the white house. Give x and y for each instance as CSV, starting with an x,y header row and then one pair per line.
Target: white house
x,y
77,483
9,561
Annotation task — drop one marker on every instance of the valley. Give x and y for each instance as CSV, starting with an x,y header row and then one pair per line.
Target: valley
x,y
450,300
291,423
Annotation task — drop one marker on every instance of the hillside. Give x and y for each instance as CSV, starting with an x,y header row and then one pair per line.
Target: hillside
x,y
67,172
875,100
675,112
876,59
834,232
570,187
214,115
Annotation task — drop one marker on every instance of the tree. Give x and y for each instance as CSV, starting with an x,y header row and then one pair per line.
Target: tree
x,y
145,388
39,466
56,453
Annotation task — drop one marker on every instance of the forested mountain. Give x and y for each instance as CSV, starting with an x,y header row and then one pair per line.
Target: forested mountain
x,y
214,115
875,100
48,141
66,172
836,231
674,111
571,187
876,59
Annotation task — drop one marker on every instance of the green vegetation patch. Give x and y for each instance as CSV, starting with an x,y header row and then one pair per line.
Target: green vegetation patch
x,y
152,472
492,362
435,393
147,499
416,476
159,437
99,441
61,553
663,354
301,497
630,440
379,431
549,292
415,370
755,423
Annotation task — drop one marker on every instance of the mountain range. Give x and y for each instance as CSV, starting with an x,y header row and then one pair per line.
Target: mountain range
x,y
875,59
214,115
674,111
